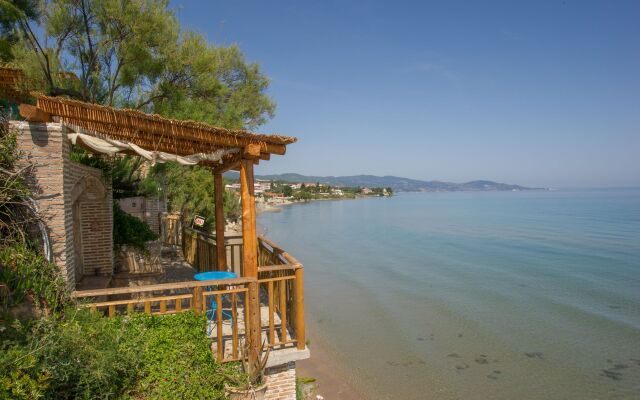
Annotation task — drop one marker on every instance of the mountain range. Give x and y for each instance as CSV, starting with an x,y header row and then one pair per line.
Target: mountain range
x,y
398,184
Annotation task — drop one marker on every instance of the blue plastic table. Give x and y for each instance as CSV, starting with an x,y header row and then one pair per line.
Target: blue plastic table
x,y
212,276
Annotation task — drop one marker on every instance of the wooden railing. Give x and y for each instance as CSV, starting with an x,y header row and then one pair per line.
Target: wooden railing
x,y
170,229
200,251
280,286
229,295
281,277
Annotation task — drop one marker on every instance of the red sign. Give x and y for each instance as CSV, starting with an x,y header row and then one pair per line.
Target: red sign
x,y
198,221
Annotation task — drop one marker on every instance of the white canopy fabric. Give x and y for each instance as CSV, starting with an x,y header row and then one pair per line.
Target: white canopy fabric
x,y
111,147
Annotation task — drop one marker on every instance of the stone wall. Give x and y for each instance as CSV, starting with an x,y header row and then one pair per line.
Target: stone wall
x,y
86,186
281,382
144,208
58,183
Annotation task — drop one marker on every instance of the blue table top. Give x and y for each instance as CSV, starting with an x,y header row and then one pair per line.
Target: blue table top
x,y
214,275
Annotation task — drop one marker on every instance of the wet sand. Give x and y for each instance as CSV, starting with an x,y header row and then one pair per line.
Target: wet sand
x,y
332,380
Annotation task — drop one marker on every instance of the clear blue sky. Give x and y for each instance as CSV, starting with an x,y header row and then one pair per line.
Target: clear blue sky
x,y
543,93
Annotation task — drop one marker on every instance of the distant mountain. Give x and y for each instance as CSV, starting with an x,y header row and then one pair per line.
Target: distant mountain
x,y
398,184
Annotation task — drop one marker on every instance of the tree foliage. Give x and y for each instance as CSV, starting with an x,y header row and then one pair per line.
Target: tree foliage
x,y
190,190
133,54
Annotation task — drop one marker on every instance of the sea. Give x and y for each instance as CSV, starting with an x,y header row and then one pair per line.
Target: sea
x,y
473,295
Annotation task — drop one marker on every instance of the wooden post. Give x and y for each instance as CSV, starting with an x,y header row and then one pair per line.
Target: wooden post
x,y
221,251
299,301
255,341
249,236
197,300
250,258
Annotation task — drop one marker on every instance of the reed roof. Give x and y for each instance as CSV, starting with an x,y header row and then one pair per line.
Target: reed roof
x,y
149,131
184,137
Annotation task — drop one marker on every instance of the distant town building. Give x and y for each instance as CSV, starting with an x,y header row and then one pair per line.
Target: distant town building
x,y
258,187
366,191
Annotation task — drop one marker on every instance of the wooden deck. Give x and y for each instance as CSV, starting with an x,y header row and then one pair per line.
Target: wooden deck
x,y
278,289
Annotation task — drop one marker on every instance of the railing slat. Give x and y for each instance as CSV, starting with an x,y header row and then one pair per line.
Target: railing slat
x,y
219,326
272,331
163,306
283,310
234,326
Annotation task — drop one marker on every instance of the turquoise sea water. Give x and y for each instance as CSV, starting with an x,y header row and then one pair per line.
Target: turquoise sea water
x,y
501,295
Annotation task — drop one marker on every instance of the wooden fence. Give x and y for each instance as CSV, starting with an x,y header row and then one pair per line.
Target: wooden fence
x,y
281,277
200,251
229,295
170,229
280,286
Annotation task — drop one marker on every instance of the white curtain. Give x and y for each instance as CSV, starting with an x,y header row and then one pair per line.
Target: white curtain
x,y
111,147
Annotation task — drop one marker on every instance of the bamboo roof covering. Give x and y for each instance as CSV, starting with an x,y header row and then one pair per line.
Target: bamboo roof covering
x,y
149,131
183,137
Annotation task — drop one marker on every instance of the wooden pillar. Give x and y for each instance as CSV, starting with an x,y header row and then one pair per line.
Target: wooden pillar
x,y
299,304
221,250
250,258
249,236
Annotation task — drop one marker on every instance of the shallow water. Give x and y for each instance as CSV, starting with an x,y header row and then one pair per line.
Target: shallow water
x,y
501,295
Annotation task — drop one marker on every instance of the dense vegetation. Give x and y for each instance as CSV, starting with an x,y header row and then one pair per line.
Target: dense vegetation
x,y
129,230
133,54
50,349
81,355
190,191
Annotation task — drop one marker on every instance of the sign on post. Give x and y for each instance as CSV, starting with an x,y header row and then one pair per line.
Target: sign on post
x,y
198,221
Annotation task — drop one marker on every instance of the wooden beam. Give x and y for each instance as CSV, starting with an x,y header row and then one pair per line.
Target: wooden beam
x,y
265,156
230,164
252,150
34,114
221,250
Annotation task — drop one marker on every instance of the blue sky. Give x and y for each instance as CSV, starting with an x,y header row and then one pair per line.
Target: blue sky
x,y
543,93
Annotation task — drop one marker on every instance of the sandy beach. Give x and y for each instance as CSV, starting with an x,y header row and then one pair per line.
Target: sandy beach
x,y
332,380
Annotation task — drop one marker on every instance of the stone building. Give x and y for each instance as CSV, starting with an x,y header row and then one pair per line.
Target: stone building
x,y
74,201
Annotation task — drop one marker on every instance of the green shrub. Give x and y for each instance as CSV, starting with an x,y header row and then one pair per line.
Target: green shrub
x,y
78,356
177,362
27,273
83,355
129,230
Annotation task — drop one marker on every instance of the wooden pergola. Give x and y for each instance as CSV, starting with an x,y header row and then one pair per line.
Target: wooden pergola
x,y
155,133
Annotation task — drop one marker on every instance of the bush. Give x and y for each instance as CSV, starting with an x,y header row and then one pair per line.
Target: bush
x,y
129,230
86,356
78,356
177,362
27,273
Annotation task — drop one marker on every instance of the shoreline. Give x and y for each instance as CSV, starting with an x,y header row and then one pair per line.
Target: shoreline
x,y
331,380
265,208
